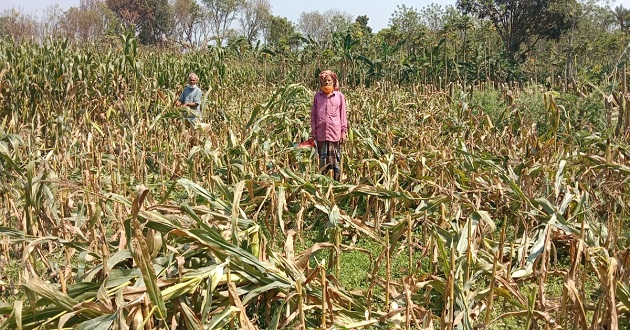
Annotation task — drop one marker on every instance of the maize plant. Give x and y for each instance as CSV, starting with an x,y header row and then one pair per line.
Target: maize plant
x,y
449,214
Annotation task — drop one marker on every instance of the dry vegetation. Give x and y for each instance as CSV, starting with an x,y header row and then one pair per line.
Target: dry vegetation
x,y
502,208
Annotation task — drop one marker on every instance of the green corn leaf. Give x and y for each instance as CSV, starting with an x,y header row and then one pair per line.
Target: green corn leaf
x,y
222,319
103,322
142,257
50,292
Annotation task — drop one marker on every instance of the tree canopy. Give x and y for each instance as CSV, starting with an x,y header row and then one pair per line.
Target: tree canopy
x,y
522,23
151,18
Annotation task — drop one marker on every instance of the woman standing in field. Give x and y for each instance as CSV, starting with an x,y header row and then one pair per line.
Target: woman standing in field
x,y
329,124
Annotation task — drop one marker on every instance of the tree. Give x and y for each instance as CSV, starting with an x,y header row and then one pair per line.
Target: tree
x,y
16,25
221,14
81,25
455,27
187,16
622,16
49,22
605,17
255,14
89,22
90,4
522,23
151,18
319,26
407,24
157,25
433,17
338,20
279,31
361,23
313,25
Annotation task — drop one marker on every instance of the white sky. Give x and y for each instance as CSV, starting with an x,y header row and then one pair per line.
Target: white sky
x,y
378,11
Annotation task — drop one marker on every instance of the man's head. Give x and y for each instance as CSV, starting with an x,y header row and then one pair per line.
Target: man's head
x,y
193,79
328,81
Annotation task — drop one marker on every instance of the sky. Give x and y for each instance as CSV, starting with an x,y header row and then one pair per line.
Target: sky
x,y
378,11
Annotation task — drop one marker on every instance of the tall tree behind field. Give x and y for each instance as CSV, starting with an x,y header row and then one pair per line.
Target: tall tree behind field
x,y
281,36
279,31
593,46
17,25
157,25
89,22
188,17
461,33
407,24
433,18
81,25
151,18
49,22
622,16
361,23
90,4
522,23
319,26
221,15
338,20
313,25
254,16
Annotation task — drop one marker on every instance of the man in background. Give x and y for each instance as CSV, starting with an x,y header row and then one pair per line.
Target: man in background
x,y
191,99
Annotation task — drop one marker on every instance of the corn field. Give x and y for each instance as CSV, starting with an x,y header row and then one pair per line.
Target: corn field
x,y
115,214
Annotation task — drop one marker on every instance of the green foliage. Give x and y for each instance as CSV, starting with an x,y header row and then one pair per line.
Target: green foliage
x,y
521,26
280,31
406,24
361,23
